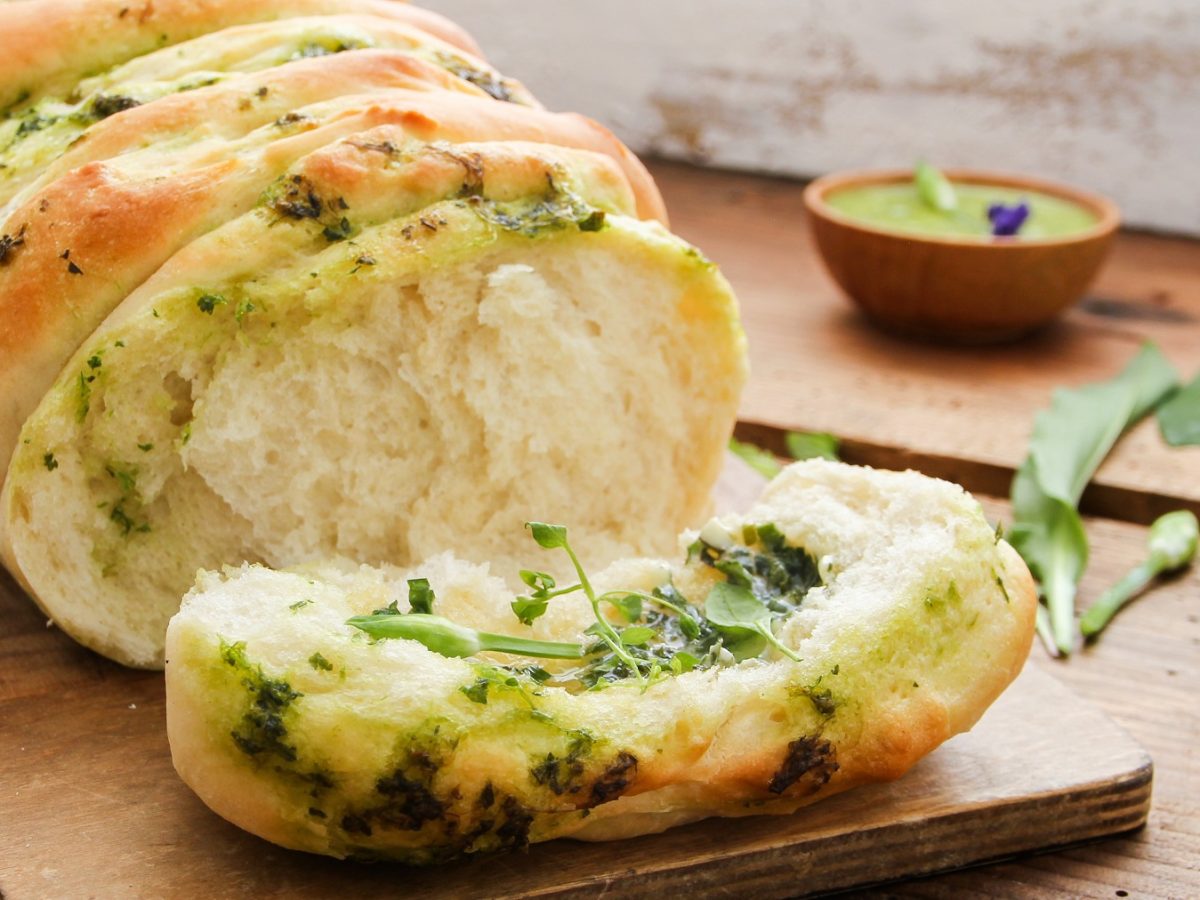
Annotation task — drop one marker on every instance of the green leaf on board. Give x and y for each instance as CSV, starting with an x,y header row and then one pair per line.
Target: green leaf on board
x,y
763,462
811,445
1179,417
1070,440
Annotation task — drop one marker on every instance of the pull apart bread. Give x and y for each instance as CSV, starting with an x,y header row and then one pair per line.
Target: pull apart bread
x,y
297,280
905,614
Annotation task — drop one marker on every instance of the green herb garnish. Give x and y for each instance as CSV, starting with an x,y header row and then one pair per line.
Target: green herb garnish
x,y
935,189
664,634
420,595
800,445
1069,442
736,612
450,639
1172,544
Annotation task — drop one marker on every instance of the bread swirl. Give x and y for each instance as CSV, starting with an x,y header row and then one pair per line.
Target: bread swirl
x,y
295,726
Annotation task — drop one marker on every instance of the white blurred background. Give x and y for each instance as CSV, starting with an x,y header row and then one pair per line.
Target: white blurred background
x,y
1101,93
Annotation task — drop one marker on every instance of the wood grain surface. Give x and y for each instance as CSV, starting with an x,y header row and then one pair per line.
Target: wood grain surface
x,y
962,413
91,806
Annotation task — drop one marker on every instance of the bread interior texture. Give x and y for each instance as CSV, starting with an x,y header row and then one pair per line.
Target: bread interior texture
x,y
360,402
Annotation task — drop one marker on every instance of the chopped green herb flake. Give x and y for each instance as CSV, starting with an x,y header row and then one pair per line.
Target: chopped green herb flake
x,y
486,80
49,462
559,208
319,662
9,244
300,604
261,731
209,302
339,231
420,595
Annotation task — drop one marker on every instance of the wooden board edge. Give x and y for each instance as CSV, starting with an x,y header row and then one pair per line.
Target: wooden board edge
x,y
1066,818
1102,498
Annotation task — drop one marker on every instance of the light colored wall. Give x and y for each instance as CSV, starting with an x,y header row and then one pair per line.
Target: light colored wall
x,y
1101,93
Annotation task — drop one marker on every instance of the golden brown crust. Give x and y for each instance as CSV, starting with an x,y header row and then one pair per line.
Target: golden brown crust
x,y
245,102
48,45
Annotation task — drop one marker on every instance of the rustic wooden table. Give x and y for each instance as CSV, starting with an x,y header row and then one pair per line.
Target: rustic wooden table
x,y
966,414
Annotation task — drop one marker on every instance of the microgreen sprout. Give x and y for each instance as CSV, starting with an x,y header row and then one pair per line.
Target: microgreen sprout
x,y
554,537
735,610
651,634
449,638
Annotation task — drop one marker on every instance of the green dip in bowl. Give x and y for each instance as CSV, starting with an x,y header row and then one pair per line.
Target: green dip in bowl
x,y
929,259
899,207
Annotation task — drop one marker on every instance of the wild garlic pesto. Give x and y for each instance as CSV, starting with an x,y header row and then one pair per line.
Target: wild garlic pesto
x,y
899,207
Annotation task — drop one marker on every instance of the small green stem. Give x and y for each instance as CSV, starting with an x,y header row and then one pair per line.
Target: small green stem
x,y
1098,615
650,598
1060,597
504,643
450,639
550,595
607,633
765,630
1044,630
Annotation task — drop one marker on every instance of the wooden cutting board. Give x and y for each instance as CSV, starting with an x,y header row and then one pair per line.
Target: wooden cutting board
x,y
90,807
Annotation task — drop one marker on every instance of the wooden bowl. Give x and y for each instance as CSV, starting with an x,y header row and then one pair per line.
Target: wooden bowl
x,y
960,289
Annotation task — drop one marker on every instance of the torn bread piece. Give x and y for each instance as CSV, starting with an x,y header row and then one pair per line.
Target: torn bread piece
x,y
896,617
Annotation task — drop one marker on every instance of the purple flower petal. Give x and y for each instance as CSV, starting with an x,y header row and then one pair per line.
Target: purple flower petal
x,y
1007,220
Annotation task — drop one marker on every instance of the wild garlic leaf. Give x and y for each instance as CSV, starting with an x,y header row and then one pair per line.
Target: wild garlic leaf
x,y
549,537
935,189
811,445
1070,441
1076,433
761,461
1179,417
